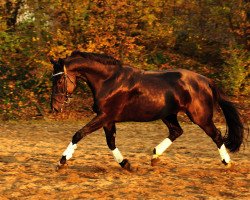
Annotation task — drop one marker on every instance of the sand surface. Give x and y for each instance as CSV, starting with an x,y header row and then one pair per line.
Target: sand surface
x,y
189,169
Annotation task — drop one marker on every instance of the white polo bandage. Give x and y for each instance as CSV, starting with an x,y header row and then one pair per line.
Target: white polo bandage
x,y
160,148
69,151
117,155
223,154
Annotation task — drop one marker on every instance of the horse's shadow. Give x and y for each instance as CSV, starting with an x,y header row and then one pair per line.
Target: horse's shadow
x,y
8,159
89,169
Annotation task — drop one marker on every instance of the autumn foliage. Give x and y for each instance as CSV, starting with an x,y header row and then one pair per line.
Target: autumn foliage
x,y
207,36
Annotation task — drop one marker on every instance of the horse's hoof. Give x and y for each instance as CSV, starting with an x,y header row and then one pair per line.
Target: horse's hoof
x,y
61,166
126,165
155,161
229,165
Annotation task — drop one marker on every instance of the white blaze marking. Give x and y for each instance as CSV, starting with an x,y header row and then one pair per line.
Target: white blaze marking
x,y
160,148
223,154
70,150
117,155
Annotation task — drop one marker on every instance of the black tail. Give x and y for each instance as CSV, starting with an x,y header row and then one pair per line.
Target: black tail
x,y
235,129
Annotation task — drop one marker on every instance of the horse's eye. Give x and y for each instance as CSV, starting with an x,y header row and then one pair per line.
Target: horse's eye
x,y
60,81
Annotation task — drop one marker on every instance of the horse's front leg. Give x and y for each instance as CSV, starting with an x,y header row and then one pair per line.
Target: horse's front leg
x,y
95,124
110,132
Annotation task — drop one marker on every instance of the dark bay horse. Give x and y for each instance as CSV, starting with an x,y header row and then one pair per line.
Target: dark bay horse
x,y
122,93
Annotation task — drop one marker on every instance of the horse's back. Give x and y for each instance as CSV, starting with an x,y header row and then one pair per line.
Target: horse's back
x,y
188,91
179,80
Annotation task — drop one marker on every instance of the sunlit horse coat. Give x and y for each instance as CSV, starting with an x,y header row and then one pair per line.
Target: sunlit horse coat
x,y
122,93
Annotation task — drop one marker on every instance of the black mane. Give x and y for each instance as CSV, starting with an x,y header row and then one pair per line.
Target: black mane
x,y
101,58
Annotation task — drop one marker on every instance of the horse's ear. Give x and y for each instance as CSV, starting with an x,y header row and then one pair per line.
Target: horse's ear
x,y
61,62
52,60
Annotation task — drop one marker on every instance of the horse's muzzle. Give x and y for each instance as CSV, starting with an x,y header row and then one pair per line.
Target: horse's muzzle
x,y
56,109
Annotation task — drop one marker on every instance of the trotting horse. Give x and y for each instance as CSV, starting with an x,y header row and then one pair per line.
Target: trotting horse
x,y
122,93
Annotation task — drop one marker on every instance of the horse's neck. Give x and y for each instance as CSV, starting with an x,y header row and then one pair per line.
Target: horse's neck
x,y
96,74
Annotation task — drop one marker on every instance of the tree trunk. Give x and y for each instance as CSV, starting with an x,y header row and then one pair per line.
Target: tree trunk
x,y
12,13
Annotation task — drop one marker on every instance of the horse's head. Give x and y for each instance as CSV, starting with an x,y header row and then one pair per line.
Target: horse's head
x,y
64,83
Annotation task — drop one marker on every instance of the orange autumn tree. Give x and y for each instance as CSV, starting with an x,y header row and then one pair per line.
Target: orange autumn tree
x,y
206,36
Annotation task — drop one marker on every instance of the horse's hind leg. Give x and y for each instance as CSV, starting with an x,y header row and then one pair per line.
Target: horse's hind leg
x,y
204,120
175,131
110,131
216,136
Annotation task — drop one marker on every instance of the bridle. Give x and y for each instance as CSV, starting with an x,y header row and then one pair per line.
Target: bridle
x,y
65,91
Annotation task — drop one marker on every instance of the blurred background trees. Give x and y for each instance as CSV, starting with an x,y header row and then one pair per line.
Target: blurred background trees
x,y
207,36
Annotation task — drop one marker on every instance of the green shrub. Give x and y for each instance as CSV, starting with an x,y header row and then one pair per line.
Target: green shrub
x,y
235,76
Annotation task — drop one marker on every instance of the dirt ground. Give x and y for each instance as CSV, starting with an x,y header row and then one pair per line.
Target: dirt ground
x,y
189,169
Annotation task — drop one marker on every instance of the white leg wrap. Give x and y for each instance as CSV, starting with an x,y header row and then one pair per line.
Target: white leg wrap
x,y
69,151
160,148
117,155
223,154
